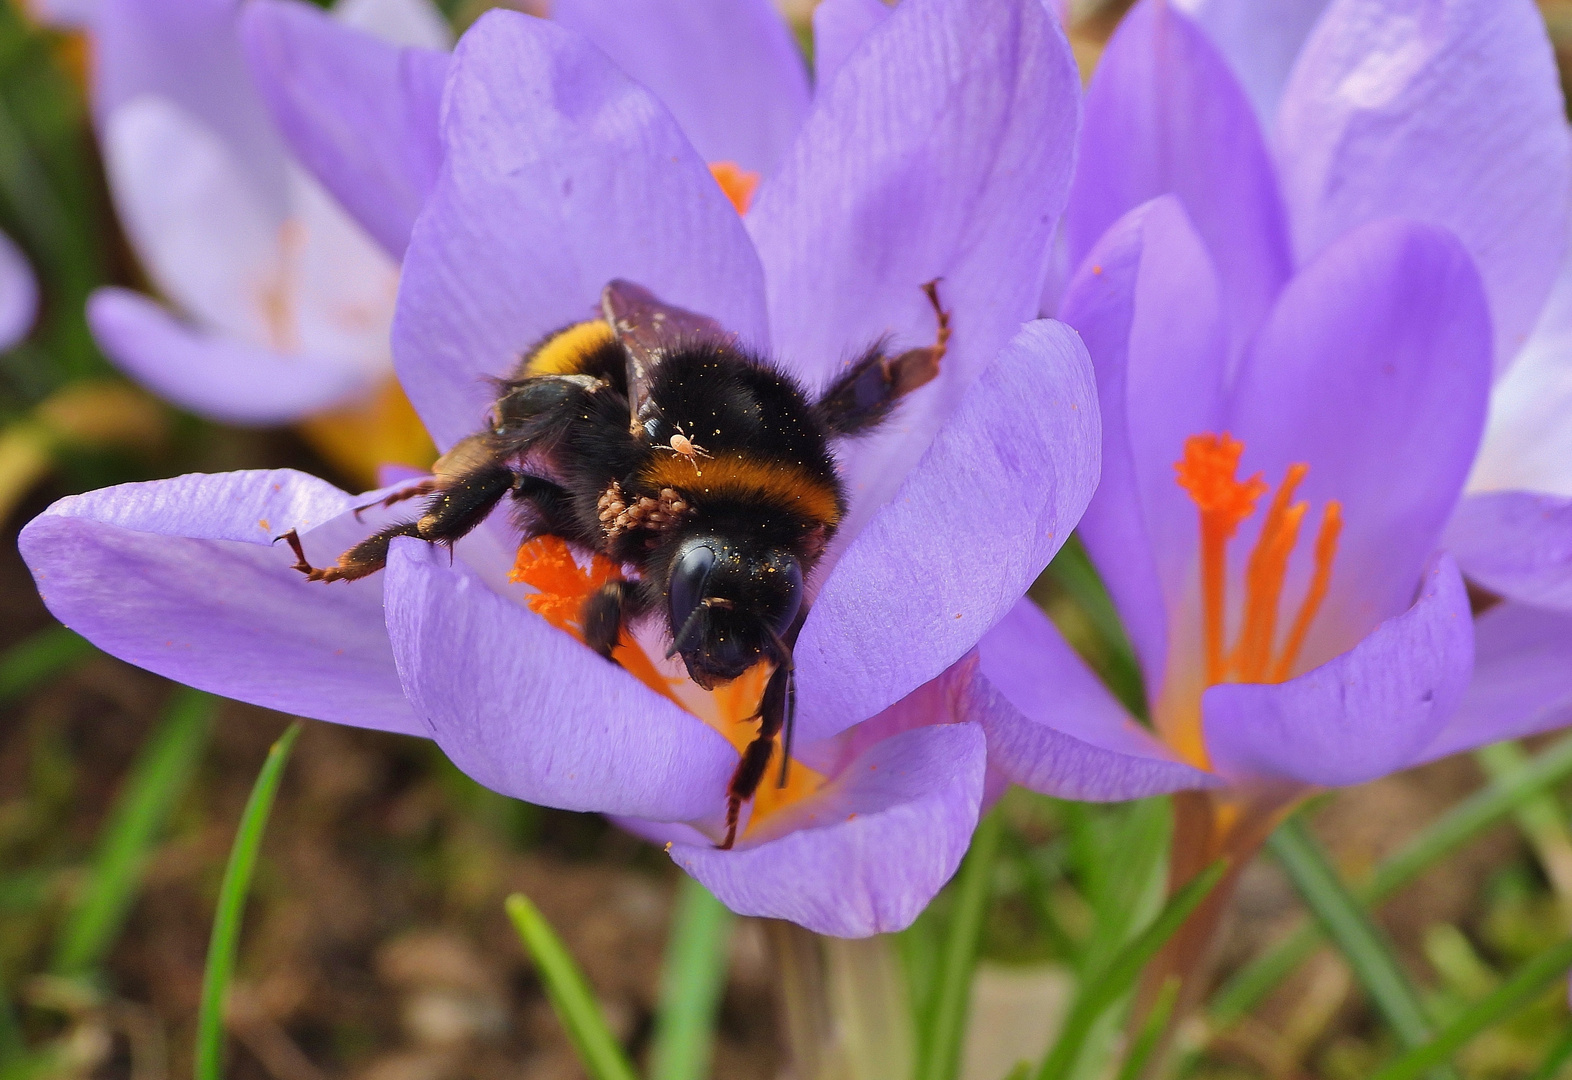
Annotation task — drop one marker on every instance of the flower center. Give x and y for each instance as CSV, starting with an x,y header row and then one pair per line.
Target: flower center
x,y
1208,473
738,183
547,564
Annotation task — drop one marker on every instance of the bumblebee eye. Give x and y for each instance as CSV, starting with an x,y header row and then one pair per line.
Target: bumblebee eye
x,y
793,597
686,588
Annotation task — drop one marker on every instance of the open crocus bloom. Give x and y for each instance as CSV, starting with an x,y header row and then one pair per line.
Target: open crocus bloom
x,y
942,150
284,303
18,294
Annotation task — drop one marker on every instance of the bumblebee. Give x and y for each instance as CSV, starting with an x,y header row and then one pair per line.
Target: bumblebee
x,y
651,437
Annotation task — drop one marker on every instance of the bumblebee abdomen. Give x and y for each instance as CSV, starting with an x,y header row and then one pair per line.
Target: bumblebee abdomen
x,y
586,348
739,478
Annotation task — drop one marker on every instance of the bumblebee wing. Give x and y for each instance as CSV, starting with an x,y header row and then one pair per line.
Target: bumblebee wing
x,y
647,329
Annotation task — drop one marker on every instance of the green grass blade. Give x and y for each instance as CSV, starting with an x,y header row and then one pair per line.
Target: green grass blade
x,y
34,660
157,782
1151,1031
1022,1071
691,981
599,1052
940,1036
1556,1060
225,942
1348,924
1092,999
1444,836
1525,984
1540,818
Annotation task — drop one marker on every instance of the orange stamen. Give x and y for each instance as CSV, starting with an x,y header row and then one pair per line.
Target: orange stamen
x,y
547,564
738,183
1208,472
1264,578
1325,551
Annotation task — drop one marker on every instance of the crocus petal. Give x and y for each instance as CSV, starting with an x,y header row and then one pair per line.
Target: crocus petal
x,y
996,494
1374,370
839,26
1367,713
409,23
870,849
1146,303
182,577
728,70
528,711
1164,115
18,294
1448,111
942,150
1053,726
1517,544
1522,681
359,112
1528,437
187,53
1260,40
560,174
213,375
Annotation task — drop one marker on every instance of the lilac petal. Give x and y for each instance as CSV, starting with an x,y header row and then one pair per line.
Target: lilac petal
x,y
182,577
213,375
1528,437
728,70
1260,40
528,711
1517,544
18,294
1447,111
943,150
360,113
839,26
187,52
1374,370
1053,727
560,174
1364,714
1522,681
1164,115
870,849
972,526
1146,303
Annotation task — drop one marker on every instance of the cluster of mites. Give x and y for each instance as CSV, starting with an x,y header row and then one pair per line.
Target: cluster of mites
x,y
618,515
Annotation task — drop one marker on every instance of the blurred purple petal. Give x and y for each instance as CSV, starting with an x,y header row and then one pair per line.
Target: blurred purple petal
x,y
1164,115
182,577
528,711
1522,681
215,375
974,523
728,70
839,26
1366,713
943,150
560,174
1447,111
1261,39
18,294
1374,370
1517,544
1146,303
413,23
1053,727
360,113
870,849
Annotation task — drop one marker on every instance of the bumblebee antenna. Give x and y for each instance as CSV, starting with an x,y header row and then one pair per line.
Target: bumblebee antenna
x,y
784,658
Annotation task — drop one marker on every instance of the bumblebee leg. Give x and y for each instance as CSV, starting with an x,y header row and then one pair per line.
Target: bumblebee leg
x,y
774,708
606,611
414,491
869,390
362,560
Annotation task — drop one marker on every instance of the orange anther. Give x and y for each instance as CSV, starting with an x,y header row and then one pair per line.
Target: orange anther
x,y
738,183
1325,552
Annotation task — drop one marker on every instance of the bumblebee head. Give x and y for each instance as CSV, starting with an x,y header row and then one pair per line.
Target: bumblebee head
x,y
730,605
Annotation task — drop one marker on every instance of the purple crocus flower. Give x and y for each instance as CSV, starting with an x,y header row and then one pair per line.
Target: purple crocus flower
x,y
1294,343
942,149
283,302
18,294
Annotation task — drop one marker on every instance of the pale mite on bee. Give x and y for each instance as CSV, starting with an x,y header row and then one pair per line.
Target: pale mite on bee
x,y
592,437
